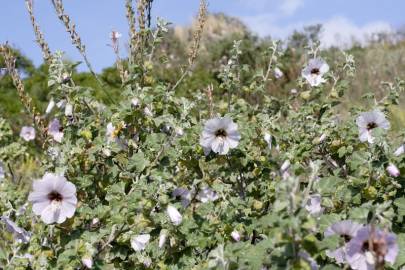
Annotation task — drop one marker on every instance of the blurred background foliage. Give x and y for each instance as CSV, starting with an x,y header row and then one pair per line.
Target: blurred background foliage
x,y
382,60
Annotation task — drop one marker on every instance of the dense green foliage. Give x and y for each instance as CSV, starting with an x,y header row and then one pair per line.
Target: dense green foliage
x,y
125,176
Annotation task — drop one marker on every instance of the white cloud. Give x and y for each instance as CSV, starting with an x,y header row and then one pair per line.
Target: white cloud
x,y
289,7
285,7
266,24
337,31
341,32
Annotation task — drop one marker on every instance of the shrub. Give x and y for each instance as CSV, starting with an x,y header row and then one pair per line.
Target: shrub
x,y
242,180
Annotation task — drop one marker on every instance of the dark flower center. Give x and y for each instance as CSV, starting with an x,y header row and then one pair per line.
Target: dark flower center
x,y
346,237
371,125
220,133
55,196
379,247
315,71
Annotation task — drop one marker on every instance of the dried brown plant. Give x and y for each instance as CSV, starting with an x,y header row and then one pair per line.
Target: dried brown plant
x,y
202,16
46,52
25,99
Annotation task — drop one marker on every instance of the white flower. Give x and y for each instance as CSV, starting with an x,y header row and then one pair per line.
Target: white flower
x,y
400,150
235,236
51,104
207,195
162,238
55,130
69,109
220,135
267,138
174,215
27,133
87,261
314,204
393,170
293,91
140,241
278,73
314,71
368,121
53,198
19,233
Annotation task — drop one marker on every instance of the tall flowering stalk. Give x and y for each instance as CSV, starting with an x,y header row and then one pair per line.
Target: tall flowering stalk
x,y
202,17
25,99
74,36
46,52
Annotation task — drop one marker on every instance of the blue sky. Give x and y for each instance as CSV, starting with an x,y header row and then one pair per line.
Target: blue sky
x,y
96,18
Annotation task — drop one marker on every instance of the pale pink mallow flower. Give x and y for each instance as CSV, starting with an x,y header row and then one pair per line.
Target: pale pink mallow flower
x,y
53,198
314,71
371,246
55,130
346,229
220,135
27,133
368,121
184,194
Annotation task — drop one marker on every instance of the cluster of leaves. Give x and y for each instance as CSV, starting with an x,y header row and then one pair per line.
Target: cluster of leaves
x,y
124,185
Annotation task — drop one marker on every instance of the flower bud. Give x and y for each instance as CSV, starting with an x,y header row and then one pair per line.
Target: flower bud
x,y
174,215
162,238
87,261
393,170
235,236
285,166
400,150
